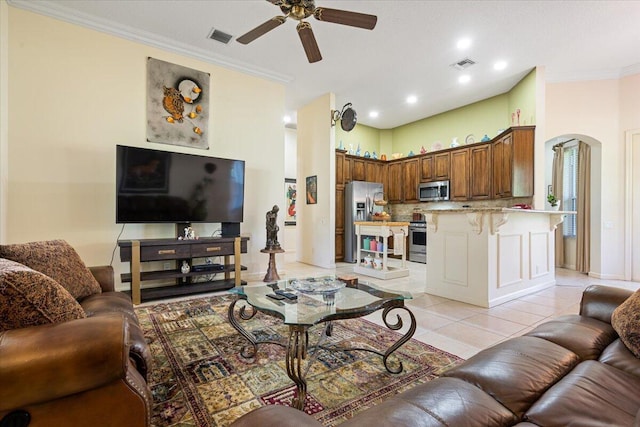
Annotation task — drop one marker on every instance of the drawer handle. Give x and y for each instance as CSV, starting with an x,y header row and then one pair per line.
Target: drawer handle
x,y
214,249
166,252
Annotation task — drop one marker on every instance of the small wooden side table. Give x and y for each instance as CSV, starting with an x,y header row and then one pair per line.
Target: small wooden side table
x,y
272,271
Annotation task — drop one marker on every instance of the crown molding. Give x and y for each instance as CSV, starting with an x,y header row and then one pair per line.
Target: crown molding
x,y
604,74
56,11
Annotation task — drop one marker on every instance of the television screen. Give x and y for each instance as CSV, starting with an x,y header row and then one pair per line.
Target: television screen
x,y
161,186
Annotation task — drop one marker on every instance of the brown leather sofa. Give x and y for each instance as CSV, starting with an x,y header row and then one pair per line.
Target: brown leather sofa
x,y
571,371
84,372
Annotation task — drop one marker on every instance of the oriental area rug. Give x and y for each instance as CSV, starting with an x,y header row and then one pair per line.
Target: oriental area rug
x,y
199,378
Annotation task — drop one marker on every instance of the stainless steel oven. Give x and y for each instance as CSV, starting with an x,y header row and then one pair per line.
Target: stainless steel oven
x,y
418,241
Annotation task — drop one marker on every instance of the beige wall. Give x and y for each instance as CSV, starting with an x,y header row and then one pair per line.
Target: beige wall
x,y
76,93
602,111
316,156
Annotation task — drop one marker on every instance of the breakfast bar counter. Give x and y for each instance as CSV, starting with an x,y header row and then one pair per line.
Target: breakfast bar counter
x,y
488,256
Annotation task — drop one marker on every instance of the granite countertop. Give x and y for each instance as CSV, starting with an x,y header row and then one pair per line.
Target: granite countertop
x,y
489,210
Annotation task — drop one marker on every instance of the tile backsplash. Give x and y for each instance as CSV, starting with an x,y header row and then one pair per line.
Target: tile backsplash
x,y
404,212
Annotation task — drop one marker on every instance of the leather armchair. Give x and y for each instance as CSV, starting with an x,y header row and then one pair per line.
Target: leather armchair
x,y
84,372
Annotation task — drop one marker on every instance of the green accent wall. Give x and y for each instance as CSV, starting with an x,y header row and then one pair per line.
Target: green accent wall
x,y
368,137
483,117
487,117
523,96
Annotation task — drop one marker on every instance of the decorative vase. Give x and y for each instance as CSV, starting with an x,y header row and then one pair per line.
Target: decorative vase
x,y
185,267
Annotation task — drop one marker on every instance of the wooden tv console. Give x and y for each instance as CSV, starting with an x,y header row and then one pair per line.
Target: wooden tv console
x,y
146,250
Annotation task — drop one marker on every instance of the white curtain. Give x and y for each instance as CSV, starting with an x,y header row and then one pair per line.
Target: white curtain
x,y
558,173
583,220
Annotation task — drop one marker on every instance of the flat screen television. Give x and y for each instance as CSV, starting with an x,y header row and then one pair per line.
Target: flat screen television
x,y
154,186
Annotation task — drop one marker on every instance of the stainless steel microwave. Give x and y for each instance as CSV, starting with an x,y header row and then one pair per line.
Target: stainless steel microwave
x,y
435,191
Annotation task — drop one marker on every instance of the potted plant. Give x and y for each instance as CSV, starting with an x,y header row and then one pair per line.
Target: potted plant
x,y
553,202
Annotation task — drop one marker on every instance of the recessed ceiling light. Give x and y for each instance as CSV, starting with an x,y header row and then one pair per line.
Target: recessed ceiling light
x,y
286,119
500,65
465,78
373,114
463,43
412,99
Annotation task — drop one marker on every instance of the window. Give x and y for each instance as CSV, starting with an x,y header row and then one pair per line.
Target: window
x,y
570,189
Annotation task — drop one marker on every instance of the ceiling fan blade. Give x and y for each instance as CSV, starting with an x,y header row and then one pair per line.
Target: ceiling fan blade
x,y
345,17
261,29
309,42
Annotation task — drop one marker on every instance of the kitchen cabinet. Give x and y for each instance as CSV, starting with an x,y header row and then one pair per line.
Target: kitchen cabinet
x,y
427,168
480,172
394,182
459,175
442,163
339,242
374,171
410,180
513,162
470,177
435,167
358,172
343,175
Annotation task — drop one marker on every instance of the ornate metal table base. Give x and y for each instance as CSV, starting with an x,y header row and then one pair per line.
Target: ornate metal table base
x,y
298,345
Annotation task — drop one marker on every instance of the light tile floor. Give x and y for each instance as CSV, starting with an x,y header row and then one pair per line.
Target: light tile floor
x,y
464,329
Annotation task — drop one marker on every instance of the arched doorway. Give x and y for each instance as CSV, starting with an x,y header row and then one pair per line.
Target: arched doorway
x,y
595,238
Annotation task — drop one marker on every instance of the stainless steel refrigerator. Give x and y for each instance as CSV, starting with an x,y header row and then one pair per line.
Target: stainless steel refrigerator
x,y
358,206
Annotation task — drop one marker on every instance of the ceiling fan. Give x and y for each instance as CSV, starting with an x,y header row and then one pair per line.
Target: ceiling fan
x,y
302,9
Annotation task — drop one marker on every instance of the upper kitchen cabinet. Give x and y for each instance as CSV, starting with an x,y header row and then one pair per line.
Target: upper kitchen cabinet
x,y
358,169
480,172
459,179
340,168
513,163
435,167
394,182
410,180
374,171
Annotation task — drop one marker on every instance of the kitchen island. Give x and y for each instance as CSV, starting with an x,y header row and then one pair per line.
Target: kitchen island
x,y
375,260
488,256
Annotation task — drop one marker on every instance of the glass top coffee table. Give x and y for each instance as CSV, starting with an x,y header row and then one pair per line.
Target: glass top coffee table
x,y
316,300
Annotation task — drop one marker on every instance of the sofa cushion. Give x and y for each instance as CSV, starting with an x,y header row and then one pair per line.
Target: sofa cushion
x,y
516,372
438,403
618,355
626,321
58,260
584,336
593,394
29,298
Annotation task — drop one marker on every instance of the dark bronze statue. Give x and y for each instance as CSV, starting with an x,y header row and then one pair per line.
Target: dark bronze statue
x,y
272,228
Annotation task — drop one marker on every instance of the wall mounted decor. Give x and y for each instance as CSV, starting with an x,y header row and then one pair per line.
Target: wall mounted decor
x,y
177,105
290,201
312,189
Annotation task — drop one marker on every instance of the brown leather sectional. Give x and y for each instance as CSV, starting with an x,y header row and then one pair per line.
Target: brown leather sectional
x,y
570,371
84,372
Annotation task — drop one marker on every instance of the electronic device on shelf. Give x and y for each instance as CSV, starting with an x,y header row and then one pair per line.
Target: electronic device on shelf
x,y
154,186
207,267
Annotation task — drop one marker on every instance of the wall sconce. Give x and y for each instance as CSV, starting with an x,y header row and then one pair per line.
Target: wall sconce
x,y
347,117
